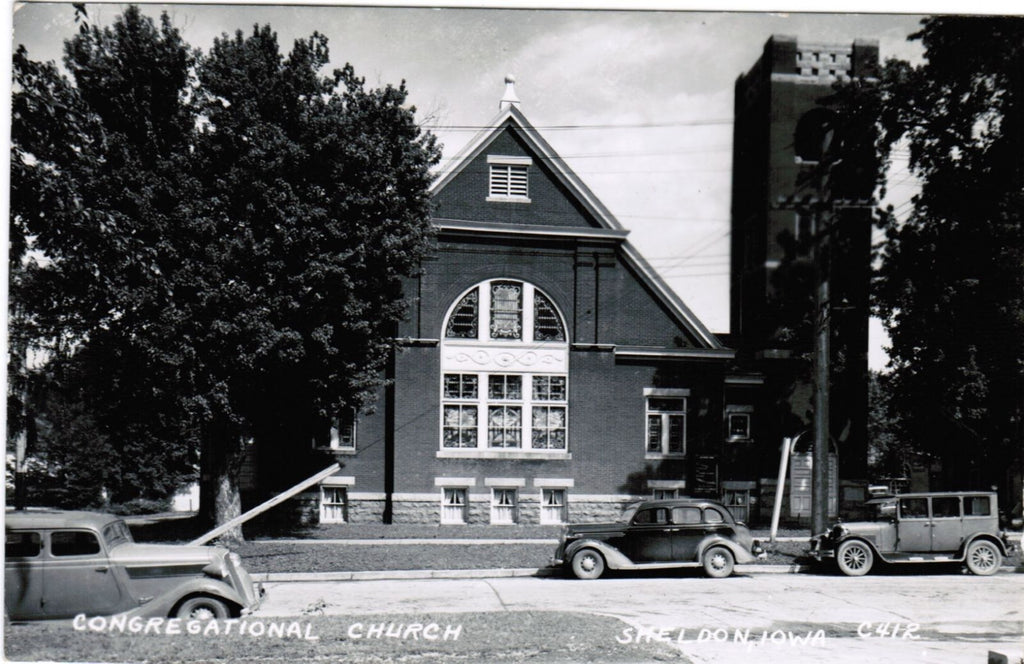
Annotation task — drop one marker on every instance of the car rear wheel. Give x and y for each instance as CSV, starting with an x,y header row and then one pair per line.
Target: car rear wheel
x,y
587,564
983,558
203,608
718,562
854,558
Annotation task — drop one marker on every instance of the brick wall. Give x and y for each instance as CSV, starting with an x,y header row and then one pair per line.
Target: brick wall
x,y
465,196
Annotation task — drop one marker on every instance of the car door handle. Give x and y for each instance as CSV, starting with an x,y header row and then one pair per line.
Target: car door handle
x,y
103,570
673,530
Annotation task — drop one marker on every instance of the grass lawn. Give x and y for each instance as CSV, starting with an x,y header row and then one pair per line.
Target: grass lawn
x,y
492,637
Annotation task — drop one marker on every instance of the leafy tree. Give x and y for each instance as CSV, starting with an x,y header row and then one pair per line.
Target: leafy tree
x,y
229,233
889,454
316,207
951,284
97,178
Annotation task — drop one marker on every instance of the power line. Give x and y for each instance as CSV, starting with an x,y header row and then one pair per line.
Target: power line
x,y
606,155
572,127
652,259
670,218
701,247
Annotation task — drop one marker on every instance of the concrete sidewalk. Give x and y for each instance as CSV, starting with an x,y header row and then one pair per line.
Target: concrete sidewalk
x,y
458,541
543,572
309,577
383,575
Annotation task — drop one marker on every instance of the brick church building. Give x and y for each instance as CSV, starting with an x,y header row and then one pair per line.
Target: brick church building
x,y
545,372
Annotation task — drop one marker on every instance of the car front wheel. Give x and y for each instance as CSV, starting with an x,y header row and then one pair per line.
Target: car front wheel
x,y
587,564
718,562
203,608
854,558
983,558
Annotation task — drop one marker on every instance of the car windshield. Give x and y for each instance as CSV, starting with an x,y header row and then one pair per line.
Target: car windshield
x,y
116,532
627,514
882,510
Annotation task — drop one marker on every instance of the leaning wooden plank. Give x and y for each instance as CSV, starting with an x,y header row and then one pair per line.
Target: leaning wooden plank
x,y
263,507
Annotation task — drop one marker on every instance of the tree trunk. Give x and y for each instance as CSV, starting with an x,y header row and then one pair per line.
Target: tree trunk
x,y
220,498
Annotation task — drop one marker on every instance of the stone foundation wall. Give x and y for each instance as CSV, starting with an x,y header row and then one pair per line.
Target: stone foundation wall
x,y
596,511
365,511
478,511
417,511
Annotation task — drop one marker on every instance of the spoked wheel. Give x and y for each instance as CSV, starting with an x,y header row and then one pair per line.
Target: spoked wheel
x,y
983,558
854,558
587,564
718,562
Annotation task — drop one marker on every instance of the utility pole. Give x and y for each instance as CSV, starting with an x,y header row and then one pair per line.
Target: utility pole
x,y
822,372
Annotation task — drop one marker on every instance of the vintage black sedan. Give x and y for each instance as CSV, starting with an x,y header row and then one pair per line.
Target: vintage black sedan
x,y
659,534
59,564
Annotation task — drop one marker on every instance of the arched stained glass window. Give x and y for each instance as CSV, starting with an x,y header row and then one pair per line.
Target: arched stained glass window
x,y
547,326
506,310
504,374
462,324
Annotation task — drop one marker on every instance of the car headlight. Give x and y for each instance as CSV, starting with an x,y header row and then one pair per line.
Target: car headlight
x,y
216,568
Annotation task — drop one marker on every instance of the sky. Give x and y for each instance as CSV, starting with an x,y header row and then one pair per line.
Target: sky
x,y
638,103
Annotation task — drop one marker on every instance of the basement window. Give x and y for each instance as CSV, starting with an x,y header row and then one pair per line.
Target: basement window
x,y
509,180
453,505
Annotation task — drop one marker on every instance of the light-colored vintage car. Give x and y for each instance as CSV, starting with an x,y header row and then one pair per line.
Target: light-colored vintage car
x,y
917,528
59,564
659,534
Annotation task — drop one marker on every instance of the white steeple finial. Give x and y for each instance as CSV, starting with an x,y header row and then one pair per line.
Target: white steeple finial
x,y
509,98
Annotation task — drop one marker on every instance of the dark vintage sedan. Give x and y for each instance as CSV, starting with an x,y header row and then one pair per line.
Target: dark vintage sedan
x,y
59,564
659,534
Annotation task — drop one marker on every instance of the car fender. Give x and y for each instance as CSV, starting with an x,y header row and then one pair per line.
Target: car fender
x,y
869,541
739,553
972,538
162,605
613,558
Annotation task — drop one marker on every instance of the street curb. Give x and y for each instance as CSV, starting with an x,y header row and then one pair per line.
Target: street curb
x,y
543,572
395,575
438,541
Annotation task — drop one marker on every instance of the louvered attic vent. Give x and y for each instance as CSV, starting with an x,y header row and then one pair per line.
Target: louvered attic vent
x,y
510,179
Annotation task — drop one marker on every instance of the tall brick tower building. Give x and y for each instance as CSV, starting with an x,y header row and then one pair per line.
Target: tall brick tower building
x,y
781,125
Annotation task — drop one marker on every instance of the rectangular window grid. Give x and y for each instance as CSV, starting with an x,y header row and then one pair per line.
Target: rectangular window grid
x,y
343,433
492,411
549,388
549,427
460,425
504,426
666,425
505,387
460,386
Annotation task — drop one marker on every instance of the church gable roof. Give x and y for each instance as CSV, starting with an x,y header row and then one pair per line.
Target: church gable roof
x,y
509,173
483,192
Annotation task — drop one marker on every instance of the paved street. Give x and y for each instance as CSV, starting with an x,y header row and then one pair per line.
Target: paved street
x,y
794,618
